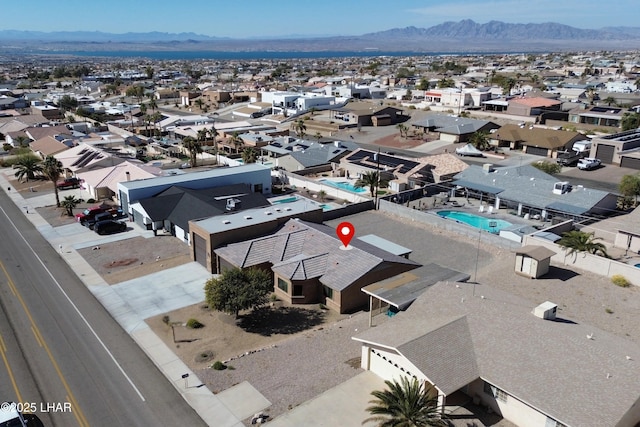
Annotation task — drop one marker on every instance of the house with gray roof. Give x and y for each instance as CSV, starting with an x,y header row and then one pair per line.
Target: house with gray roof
x,y
452,128
529,190
310,265
511,355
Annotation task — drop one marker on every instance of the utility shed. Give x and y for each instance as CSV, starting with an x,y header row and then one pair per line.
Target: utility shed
x,y
533,261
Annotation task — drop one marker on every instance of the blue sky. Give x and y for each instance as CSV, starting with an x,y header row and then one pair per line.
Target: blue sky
x,y
255,18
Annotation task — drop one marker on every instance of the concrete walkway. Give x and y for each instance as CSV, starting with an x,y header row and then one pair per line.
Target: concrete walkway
x,y
133,301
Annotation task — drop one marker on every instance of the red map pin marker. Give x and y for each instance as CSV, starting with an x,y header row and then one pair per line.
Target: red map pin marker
x,y
345,232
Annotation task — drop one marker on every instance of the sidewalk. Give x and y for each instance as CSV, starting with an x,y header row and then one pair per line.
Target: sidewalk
x,y
131,302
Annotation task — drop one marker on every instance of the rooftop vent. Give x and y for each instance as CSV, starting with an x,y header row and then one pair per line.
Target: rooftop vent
x,y
248,217
487,167
226,221
561,187
268,212
546,310
287,209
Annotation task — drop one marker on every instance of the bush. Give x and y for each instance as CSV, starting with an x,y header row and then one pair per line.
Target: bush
x,y
547,167
219,366
91,200
620,280
194,324
166,320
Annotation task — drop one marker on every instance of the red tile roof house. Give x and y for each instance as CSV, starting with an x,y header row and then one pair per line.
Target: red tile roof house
x,y
512,356
309,267
532,106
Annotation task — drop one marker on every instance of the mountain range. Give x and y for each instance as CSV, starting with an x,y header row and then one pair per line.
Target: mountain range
x,y
462,36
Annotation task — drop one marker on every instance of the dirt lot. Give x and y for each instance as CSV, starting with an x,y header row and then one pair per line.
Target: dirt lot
x,y
136,257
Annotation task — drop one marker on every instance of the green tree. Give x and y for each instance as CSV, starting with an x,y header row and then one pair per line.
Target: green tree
x,y
547,167
299,127
52,170
407,403
135,91
372,180
236,141
249,155
424,84
150,72
630,187
69,204
445,82
28,166
575,241
21,141
194,147
213,133
237,289
480,140
67,103
630,121
403,129
610,100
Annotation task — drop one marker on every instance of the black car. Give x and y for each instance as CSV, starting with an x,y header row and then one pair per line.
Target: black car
x,y
96,219
109,226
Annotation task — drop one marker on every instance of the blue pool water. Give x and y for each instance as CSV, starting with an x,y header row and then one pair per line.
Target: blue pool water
x,y
476,220
287,200
343,186
637,265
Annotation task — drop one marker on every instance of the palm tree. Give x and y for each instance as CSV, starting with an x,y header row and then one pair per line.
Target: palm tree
x,y
20,141
249,155
407,403
610,100
202,136
299,127
28,167
318,136
69,203
480,140
322,194
371,180
52,170
630,121
213,133
236,141
575,241
194,147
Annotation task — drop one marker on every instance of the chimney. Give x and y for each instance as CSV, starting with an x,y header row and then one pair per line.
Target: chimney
x,y
128,175
487,167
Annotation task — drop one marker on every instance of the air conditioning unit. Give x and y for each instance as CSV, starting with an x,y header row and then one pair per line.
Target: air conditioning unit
x,y
547,310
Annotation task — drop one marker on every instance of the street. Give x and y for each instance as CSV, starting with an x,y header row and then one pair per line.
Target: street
x,y
62,354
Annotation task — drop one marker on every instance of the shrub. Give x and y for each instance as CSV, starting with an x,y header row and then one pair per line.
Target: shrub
x,y
166,320
194,324
219,366
620,280
273,298
91,200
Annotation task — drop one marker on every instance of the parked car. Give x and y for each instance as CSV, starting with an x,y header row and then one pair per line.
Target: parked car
x,y
89,214
68,183
109,226
97,218
588,163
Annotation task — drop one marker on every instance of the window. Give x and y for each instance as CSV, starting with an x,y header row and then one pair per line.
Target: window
x,y
494,391
328,292
297,291
283,284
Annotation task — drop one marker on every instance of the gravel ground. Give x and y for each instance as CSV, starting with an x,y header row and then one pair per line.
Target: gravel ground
x,y
299,368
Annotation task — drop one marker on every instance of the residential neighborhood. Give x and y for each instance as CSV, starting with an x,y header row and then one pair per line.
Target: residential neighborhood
x,y
493,200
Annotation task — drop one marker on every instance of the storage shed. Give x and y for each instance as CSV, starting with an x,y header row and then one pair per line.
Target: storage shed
x,y
533,261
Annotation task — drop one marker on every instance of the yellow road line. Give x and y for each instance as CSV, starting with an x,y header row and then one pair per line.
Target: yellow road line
x,y
77,412
3,349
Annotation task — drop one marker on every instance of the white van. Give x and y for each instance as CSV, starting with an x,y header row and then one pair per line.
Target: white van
x,y
582,146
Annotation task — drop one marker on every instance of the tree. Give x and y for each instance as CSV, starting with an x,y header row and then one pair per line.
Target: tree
x,y
67,103
213,133
407,403
299,127
318,136
28,166
575,241
610,100
52,170
322,194
371,180
404,130
480,140
547,167
630,121
194,147
445,82
236,141
21,141
630,187
237,289
249,155
69,203
424,84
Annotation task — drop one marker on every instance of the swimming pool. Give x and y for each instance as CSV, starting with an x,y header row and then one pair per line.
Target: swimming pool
x,y
343,186
486,224
286,200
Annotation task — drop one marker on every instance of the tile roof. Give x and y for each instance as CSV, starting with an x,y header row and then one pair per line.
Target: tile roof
x,y
552,366
302,249
536,102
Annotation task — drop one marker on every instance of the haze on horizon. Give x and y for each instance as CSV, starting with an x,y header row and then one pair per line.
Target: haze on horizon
x,y
286,18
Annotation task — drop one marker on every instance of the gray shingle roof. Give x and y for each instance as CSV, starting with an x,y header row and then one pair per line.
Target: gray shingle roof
x,y
531,187
452,125
550,365
303,249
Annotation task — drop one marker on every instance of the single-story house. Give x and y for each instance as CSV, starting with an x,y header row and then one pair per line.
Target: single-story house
x,y
533,106
84,157
597,116
529,190
453,129
102,183
48,146
368,114
537,141
621,149
309,266
513,356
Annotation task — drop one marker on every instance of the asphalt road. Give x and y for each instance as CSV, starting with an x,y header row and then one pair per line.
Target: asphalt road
x,y
62,352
